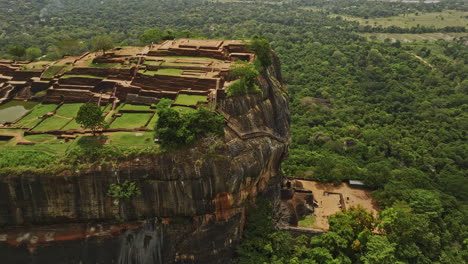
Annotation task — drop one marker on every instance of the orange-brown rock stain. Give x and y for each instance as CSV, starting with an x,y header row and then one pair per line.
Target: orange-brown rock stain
x,y
223,206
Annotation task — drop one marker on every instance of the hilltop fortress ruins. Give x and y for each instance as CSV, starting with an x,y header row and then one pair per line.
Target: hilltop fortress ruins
x,y
136,75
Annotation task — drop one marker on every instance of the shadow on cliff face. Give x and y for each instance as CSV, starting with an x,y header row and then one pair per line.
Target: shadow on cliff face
x,y
142,246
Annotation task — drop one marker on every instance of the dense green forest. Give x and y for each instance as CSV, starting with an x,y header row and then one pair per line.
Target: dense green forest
x,y
392,114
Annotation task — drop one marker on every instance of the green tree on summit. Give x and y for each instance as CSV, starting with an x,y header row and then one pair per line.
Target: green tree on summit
x,y
154,35
90,117
261,47
102,43
33,53
247,74
16,51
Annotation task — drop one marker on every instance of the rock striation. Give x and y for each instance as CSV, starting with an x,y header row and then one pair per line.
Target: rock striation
x,y
193,202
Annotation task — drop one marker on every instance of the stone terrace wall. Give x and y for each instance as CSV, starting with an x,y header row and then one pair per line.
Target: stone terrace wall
x,y
174,83
189,53
101,72
68,96
7,70
25,75
80,81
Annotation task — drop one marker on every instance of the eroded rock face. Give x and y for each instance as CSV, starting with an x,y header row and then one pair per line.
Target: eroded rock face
x,y
193,202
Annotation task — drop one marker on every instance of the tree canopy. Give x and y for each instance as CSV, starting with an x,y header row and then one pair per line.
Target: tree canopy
x,y
90,117
102,43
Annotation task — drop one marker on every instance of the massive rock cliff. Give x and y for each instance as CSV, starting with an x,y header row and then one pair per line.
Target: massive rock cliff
x,y
193,202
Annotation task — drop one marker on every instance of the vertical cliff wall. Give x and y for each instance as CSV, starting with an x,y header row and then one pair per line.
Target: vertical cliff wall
x,y
193,201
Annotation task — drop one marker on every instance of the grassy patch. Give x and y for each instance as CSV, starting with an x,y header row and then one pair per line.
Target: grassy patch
x,y
130,120
41,93
135,107
408,37
36,68
71,125
106,108
131,138
154,63
51,123
169,72
446,18
309,220
183,109
51,71
28,123
153,121
188,99
39,111
39,138
104,65
186,57
69,110
25,158
56,147
149,73
66,76
173,72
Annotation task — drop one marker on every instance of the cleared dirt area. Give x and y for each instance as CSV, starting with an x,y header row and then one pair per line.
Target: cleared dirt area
x,y
329,204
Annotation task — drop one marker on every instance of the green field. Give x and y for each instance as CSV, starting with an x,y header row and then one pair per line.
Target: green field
x,y
173,72
28,123
69,110
183,109
135,107
187,99
71,125
309,220
51,123
39,138
130,120
169,72
49,145
131,138
153,121
447,18
66,76
32,118
24,158
106,108
51,71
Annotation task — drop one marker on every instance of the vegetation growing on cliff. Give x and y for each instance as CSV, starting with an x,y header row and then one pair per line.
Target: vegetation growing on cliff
x,y
261,48
175,129
124,191
246,73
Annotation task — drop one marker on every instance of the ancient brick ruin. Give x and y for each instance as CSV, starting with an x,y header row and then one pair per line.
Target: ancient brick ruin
x,y
138,75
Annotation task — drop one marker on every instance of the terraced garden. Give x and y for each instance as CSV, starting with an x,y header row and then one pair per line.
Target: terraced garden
x,y
131,120
187,99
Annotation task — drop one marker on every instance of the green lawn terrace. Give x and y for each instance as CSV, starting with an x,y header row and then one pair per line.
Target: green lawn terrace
x,y
52,128
32,118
